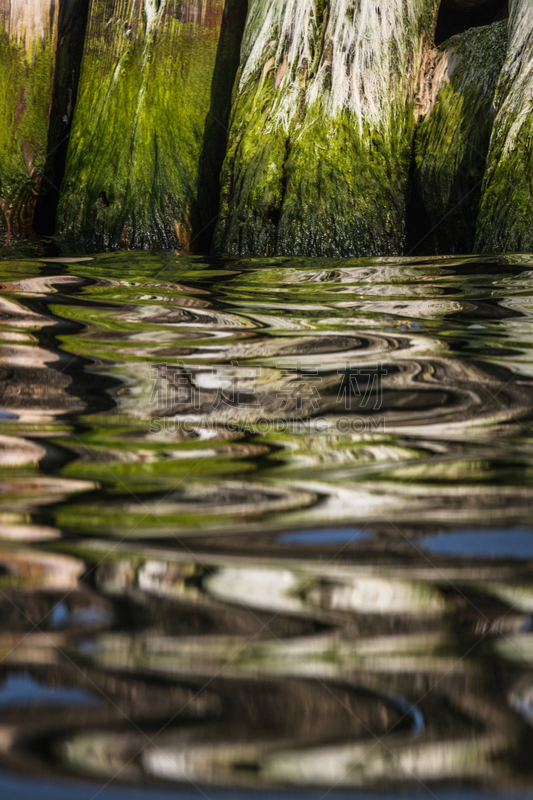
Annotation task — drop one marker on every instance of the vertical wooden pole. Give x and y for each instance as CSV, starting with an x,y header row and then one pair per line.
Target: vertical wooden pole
x,y
28,38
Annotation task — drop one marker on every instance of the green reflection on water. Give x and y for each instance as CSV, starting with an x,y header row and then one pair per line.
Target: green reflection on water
x,y
173,416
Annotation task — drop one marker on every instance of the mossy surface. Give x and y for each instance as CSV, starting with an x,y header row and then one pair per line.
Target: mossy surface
x,y
351,187
452,143
27,66
322,128
133,160
506,214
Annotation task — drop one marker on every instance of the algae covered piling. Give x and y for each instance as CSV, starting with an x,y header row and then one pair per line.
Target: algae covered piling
x,y
291,127
133,161
322,124
28,36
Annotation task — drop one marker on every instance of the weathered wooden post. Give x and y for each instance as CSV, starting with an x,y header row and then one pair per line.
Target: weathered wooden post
x,y
322,127
144,98
28,37
453,140
506,217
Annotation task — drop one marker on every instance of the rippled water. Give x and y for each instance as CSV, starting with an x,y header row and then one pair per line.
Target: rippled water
x,y
267,524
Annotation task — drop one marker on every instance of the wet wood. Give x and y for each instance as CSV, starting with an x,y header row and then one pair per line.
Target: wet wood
x,y
27,55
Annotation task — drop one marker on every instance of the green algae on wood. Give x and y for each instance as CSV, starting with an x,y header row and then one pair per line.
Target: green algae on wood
x,y
506,214
452,143
144,95
322,127
28,34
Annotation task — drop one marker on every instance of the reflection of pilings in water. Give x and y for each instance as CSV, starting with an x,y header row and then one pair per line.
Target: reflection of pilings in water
x,y
313,645
307,690
333,591
421,394
198,755
299,719
98,699
39,383
31,569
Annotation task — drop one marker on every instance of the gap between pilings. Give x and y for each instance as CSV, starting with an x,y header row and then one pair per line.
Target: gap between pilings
x,y
72,26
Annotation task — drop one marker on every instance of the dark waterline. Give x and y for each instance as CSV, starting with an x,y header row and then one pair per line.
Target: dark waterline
x,y
29,788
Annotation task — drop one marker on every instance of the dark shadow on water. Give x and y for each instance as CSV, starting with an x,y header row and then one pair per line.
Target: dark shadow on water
x,y
30,788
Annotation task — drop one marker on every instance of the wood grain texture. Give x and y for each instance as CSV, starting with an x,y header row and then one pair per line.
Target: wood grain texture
x,y
506,217
27,54
144,98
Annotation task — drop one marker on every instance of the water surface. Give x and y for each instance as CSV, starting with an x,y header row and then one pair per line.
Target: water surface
x,y
266,525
